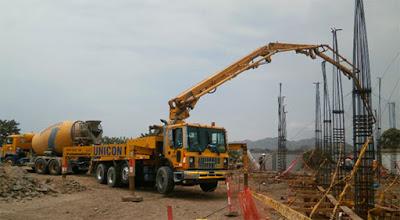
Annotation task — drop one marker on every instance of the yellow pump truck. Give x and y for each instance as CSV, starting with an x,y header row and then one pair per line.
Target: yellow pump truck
x,y
181,153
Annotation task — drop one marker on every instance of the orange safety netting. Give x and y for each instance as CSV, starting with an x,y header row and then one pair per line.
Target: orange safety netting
x,y
247,205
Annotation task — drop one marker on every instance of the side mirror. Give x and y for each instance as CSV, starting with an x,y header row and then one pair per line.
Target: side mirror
x,y
164,121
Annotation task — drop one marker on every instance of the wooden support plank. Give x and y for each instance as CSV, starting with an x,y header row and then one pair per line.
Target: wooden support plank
x,y
320,210
345,209
297,202
284,210
305,196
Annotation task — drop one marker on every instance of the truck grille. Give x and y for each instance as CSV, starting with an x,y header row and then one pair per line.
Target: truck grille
x,y
208,162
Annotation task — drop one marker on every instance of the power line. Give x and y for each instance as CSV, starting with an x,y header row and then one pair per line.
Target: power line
x,y
301,130
387,67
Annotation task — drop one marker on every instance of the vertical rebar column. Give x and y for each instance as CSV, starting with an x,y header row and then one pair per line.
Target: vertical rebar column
x,y
363,119
318,128
392,115
327,132
274,155
281,132
318,125
338,126
378,133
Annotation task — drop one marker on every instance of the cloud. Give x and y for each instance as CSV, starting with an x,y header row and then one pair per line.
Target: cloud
x,y
121,61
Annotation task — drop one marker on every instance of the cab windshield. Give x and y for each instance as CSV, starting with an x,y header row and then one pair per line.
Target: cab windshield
x,y
200,139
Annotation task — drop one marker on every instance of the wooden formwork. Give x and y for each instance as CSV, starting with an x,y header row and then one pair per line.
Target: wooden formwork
x,y
304,196
387,205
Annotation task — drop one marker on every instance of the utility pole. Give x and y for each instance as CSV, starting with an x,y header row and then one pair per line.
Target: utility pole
x,y
392,114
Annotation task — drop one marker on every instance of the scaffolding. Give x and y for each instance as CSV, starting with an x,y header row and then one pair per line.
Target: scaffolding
x,y
281,132
363,118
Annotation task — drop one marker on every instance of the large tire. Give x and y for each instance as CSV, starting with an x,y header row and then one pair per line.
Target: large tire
x,y
209,187
54,167
101,173
41,166
9,160
113,177
124,173
165,180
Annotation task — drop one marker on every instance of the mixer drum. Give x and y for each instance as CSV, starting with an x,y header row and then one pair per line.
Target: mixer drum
x,y
53,139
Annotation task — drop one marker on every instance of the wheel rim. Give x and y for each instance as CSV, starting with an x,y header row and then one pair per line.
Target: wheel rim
x,y
40,165
110,178
125,174
100,174
161,181
53,167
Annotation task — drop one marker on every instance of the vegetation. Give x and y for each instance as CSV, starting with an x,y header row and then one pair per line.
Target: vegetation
x,y
390,139
8,127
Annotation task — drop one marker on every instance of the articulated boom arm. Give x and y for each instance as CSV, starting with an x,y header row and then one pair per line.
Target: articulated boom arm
x,y
186,101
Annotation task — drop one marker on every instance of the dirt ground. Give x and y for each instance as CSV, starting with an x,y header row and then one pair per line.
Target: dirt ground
x,y
102,202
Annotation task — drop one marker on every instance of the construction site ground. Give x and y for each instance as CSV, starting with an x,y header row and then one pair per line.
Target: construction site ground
x,y
102,202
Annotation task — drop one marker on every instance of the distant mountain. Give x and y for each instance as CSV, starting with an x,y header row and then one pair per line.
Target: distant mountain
x,y
272,144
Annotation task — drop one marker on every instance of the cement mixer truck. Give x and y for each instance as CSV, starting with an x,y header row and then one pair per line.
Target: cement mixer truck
x,y
16,147
43,151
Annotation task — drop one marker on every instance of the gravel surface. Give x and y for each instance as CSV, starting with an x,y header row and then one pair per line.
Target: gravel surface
x,y
81,197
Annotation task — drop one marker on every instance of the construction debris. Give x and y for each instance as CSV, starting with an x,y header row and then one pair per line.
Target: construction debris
x,y
17,184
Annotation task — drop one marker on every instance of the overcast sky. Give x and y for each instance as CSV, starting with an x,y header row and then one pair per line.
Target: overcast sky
x,y
121,61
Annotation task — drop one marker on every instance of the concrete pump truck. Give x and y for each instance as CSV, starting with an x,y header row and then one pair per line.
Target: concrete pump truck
x,y
182,153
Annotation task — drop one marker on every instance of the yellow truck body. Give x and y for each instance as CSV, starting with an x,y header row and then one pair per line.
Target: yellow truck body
x,y
15,146
172,149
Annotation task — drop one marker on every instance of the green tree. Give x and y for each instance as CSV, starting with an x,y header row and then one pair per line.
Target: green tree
x,y
8,127
391,138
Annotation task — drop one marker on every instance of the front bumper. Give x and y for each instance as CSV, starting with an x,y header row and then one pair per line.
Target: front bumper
x,y
198,176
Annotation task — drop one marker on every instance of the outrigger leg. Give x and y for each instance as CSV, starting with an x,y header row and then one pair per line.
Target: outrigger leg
x,y
132,197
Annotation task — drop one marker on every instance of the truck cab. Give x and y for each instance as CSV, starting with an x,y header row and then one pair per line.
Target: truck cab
x,y
194,154
16,147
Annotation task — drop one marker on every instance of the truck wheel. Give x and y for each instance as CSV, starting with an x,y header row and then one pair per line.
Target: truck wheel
x,y
113,177
101,173
54,167
9,160
124,173
209,187
41,166
165,180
